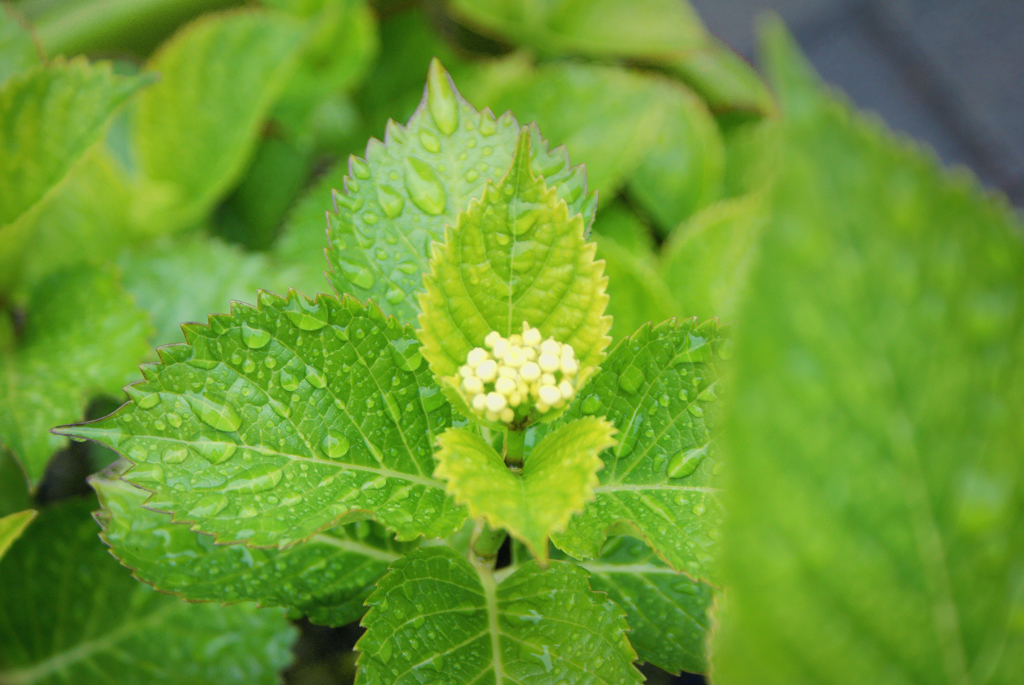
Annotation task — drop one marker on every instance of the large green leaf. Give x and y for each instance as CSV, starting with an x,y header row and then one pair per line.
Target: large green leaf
x,y
659,387
875,497
637,291
83,336
555,482
325,579
516,256
707,259
18,51
275,422
599,28
12,526
196,128
70,614
51,115
435,618
666,611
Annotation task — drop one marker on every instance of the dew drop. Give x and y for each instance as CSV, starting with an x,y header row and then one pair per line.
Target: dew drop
x,y
270,362
429,141
699,509
358,167
215,413
488,125
335,444
257,479
369,218
472,175
391,201
385,651
309,316
630,380
174,455
444,108
174,420
215,452
425,189
591,405
685,463
395,296
254,338
208,506
289,382
696,410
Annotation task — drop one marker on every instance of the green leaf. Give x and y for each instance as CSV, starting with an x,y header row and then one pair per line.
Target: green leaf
x,y
397,202
706,261
875,494
52,114
18,52
554,483
435,618
516,255
12,526
659,388
637,292
615,121
231,67
636,29
684,169
272,424
325,579
70,614
83,336
14,495
666,611
724,79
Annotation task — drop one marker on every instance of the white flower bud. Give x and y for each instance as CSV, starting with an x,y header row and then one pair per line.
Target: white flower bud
x,y
548,362
514,357
507,372
569,366
465,371
547,379
506,386
551,346
496,402
473,385
531,336
476,356
542,407
500,347
530,372
515,399
492,338
530,354
548,394
507,415
566,390
568,352
515,340
479,403
487,371
492,416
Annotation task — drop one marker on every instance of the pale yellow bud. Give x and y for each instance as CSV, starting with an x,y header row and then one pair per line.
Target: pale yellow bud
x,y
476,356
506,386
492,338
542,407
487,371
507,372
548,394
465,371
515,399
500,347
473,385
514,357
530,354
548,362
530,372
547,379
551,346
492,416
531,336
507,415
569,366
479,403
566,390
496,402
515,340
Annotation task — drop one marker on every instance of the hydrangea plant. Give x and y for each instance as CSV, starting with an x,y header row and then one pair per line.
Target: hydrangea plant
x,y
383,445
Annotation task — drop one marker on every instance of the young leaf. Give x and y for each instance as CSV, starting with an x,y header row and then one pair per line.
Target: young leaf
x,y
83,336
230,67
18,51
666,611
12,526
434,618
516,255
325,579
275,422
70,614
706,261
555,482
398,201
659,388
875,494
52,113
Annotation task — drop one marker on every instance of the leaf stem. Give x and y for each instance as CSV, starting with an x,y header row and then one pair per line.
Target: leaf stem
x,y
515,448
485,543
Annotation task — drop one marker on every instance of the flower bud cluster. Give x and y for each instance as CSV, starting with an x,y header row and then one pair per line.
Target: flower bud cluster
x,y
515,374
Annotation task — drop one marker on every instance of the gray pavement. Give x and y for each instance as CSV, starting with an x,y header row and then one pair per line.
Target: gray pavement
x,y
949,73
